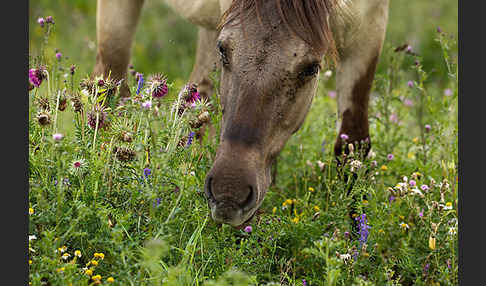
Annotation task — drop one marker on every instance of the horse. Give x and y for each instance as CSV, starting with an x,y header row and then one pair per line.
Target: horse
x,y
270,55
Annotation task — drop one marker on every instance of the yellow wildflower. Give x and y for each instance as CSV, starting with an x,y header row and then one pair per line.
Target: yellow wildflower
x,y
99,255
415,140
384,168
88,272
365,202
333,203
96,277
30,262
94,262
381,231
401,217
354,215
60,269
110,279
311,189
431,242
411,155
274,210
295,219
316,208
65,256
448,206
31,211
77,253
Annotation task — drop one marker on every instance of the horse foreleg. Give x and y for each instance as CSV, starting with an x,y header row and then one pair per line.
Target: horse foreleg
x,y
359,52
116,22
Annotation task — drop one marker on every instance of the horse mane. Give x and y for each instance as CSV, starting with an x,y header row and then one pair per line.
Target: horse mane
x,y
308,19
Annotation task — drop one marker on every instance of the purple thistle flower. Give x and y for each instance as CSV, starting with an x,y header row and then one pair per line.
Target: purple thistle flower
x,y
58,56
147,172
140,83
158,85
363,229
332,93
41,21
189,139
36,76
410,83
448,92
427,127
49,19
390,157
344,136
248,229
102,118
424,188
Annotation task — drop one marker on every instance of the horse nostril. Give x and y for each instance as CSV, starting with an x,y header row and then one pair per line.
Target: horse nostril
x,y
208,190
250,199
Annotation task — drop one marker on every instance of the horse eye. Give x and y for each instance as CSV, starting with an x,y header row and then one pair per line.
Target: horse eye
x,y
222,53
310,70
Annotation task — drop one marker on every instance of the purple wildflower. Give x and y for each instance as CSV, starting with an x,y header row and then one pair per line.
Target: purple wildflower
x,y
36,76
140,82
57,137
158,85
374,163
448,92
394,118
426,269
248,229
410,83
344,136
49,19
439,30
190,138
391,198
424,188
421,213
363,228
157,202
427,127
147,104
390,157
346,234
408,102
72,69
41,21
147,172
332,94
412,183
58,56
304,282
77,164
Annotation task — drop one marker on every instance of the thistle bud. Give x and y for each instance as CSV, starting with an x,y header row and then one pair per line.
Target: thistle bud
x,y
43,118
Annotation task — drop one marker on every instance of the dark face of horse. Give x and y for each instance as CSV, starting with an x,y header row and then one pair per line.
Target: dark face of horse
x,y
269,78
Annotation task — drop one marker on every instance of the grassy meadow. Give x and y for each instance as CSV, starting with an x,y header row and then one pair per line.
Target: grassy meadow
x,y
116,194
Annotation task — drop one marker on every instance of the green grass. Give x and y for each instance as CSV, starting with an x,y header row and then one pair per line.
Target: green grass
x,y
155,230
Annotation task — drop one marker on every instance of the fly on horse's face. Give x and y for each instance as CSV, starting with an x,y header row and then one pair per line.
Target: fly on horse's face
x,y
269,77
